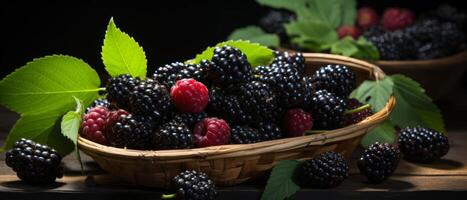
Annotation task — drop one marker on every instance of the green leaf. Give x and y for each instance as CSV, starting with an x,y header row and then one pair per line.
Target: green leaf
x,y
376,93
349,12
47,84
71,122
121,54
360,48
41,128
384,133
255,34
280,184
256,54
413,106
313,35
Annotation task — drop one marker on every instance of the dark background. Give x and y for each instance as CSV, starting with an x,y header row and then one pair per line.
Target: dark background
x,y
168,30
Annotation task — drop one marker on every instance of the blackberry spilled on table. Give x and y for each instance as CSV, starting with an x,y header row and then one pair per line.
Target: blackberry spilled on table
x,y
192,185
34,163
274,22
419,144
169,74
228,107
132,132
328,110
259,100
379,161
98,102
119,89
337,79
173,135
151,98
230,66
327,170
245,135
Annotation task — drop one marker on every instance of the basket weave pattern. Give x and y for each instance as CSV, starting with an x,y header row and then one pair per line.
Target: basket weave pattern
x,y
234,164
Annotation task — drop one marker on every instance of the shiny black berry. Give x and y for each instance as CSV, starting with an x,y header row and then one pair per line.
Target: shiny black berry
x,y
228,107
169,74
132,132
419,144
230,66
193,185
98,102
245,135
327,170
173,135
119,89
328,110
379,161
259,99
337,79
151,98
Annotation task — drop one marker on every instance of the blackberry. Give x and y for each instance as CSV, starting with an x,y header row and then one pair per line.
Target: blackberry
x,y
171,73
353,118
379,161
193,185
151,99
274,22
190,119
328,110
269,131
98,102
295,59
173,135
324,171
132,132
259,100
395,45
34,163
244,135
230,66
451,14
419,144
119,90
337,79
228,107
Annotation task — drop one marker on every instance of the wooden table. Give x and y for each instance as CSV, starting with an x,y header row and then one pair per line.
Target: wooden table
x,y
446,178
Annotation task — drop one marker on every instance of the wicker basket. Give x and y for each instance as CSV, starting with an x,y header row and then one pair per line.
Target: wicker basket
x,y
234,164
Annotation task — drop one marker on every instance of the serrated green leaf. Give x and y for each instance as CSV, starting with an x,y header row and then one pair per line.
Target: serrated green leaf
x,y
280,184
360,48
71,122
121,54
255,34
312,35
384,133
41,128
256,54
349,12
413,106
375,93
47,85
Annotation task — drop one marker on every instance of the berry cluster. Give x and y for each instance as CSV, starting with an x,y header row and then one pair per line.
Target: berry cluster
x,y
219,101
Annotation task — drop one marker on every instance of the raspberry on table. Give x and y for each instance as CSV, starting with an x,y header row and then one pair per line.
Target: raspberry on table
x,y
296,121
189,95
379,161
34,163
94,124
420,144
326,170
192,185
119,89
173,135
211,132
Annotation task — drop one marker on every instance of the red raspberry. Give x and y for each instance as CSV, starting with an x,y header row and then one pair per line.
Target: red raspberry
x,y
296,122
347,30
113,117
189,95
93,125
211,132
353,118
397,18
367,17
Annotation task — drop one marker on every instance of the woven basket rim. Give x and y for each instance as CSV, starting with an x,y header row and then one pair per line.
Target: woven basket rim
x,y
235,150
458,57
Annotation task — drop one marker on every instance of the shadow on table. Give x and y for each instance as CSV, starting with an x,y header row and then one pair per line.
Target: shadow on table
x,y
22,185
359,182
446,164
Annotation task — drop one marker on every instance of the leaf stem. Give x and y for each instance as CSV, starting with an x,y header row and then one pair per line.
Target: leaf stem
x,y
168,196
102,89
356,110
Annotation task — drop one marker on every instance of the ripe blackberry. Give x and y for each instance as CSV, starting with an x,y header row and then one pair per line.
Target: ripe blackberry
x,y
230,66
419,144
169,74
328,110
228,107
151,99
98,102
396,45
379,161
211,132
94,123
269,131
173,135
245,135
295,59
337,79
274,22
132,132
324,171
119,90
34,163
190,119
353,118
193,185
259,100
